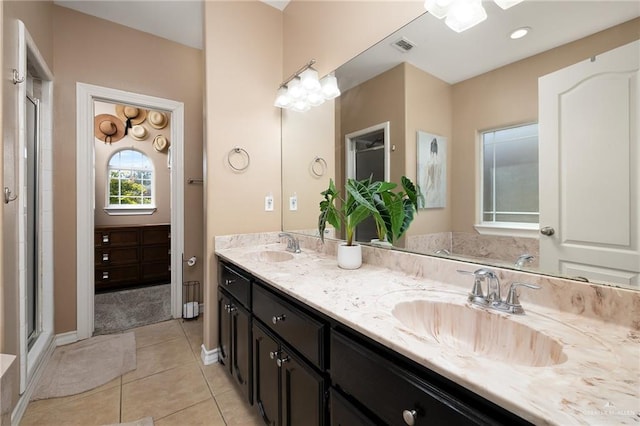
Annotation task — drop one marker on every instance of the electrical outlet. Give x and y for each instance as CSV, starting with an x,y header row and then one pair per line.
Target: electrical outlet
x,y
268,203
293,203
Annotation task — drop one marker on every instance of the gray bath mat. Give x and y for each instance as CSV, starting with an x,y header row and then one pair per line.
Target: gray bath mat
x,y
87,364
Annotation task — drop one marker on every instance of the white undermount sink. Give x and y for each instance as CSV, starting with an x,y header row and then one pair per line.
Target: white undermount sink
x,y
274,256
479,332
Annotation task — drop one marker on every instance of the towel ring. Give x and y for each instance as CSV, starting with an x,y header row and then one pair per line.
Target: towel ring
x,y
242,153
318,167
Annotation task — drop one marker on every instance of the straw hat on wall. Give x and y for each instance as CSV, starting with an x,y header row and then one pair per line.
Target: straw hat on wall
x,y
160,143
158,120
108,128
139,132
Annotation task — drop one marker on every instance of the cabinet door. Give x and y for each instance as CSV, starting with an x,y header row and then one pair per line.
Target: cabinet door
x,y
266,375
343,413
302,392
241,349
224,330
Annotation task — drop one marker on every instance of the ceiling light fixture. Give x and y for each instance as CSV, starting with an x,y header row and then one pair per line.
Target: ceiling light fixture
x,y
460,15
519,33
303,89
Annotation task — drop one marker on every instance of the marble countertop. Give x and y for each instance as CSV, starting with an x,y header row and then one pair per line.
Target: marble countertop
x,y
595,380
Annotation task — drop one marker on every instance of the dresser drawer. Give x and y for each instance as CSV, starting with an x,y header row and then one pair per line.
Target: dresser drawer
x,y
389,390
114,237
155,253
235,283
115,276
155,234
300,330
107,256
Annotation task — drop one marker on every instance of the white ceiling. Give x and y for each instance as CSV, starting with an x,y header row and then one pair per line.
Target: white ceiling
x,y
440,51
454,57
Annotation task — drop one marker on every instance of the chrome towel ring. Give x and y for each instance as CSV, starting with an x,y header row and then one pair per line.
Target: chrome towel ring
x,y
239,164
318,167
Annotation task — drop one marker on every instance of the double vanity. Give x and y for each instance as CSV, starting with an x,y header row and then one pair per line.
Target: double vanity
x,y
402,341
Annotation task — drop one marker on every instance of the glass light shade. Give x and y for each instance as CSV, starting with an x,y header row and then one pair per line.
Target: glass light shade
x,y
309,80
282,99
315,98
438,8
301,105
295,90
464,14
330,88
506,4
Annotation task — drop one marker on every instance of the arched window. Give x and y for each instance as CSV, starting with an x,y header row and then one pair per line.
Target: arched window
x,y
130,183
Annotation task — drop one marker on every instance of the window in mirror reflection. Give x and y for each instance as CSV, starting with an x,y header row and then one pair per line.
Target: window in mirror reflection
x,y
510,176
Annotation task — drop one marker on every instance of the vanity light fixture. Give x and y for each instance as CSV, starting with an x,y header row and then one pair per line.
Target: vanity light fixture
x,y
303,89
460,15
519,33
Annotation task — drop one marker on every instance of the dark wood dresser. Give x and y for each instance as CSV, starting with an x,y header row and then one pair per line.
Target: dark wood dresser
x,y
132,256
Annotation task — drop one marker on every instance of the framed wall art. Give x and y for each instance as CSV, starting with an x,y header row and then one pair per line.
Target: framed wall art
x,y
432,170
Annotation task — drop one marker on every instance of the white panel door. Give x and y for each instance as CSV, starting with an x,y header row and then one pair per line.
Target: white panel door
x,y
589,159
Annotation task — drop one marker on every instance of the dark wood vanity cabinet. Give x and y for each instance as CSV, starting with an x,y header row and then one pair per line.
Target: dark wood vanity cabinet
x,y
306,369
131,256
234,328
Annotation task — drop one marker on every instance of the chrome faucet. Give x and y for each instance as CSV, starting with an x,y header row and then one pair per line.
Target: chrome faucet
x,y
523,259
493,299
293,245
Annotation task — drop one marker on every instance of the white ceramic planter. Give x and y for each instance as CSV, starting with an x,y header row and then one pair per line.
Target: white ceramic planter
x,y
349,257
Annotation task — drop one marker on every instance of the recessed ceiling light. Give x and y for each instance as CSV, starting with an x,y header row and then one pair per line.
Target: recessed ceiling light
x,y
519,33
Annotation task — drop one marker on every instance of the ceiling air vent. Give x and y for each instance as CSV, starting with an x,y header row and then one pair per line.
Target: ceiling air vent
x,y
403,45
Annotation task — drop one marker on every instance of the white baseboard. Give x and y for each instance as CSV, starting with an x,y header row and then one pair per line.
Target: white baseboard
x,y
209,357
66,338
21,406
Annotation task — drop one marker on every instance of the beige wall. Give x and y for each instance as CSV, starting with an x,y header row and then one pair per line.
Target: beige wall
x,y
241,82
429,108
332,32
99,52
508,96
162,175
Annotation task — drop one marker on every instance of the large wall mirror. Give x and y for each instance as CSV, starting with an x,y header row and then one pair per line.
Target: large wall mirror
x,y
469,106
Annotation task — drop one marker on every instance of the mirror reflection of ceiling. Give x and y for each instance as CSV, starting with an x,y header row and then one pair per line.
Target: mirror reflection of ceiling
x,y
487,46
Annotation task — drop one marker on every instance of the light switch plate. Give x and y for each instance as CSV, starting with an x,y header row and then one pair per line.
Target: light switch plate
x,y
268,203
293,203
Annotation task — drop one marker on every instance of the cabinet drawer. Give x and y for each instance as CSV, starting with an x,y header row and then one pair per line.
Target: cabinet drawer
x,y
298,329
155,253
157,271
116,274
343,413
389,391
238,285
155,234
116,237
116,256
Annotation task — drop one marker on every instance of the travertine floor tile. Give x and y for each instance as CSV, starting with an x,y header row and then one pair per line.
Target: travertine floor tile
x,y
218,377
96,409
156,333
236,410
160,357
204,413
164,393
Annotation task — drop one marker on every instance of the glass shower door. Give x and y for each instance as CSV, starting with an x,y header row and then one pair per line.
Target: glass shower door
x,y
32,220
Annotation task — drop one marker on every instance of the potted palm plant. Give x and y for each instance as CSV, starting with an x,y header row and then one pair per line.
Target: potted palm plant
x,y
392,212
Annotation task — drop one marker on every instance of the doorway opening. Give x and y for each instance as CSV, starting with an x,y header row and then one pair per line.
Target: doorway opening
x,y
170,148
368,156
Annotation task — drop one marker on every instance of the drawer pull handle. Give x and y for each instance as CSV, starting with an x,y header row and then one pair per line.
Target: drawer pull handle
x,y
105,238
276,319
273,354
105,275
229,281
410,416
281,361
105,257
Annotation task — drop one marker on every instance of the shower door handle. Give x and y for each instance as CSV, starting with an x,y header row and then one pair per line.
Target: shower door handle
x,y
8,197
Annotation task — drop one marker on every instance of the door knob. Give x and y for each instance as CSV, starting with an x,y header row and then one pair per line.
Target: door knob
x,y
409,417
548,231
281,361
278,318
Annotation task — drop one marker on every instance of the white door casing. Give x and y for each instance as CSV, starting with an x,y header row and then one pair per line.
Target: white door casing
x,y
589,159
86,94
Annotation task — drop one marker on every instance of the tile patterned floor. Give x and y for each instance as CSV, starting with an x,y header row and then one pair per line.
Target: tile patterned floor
x,y
170,384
